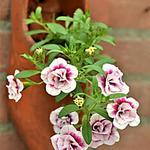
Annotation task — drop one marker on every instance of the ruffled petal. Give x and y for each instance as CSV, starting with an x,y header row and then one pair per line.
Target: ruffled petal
x,y
69,87
58,62
136,122
52,91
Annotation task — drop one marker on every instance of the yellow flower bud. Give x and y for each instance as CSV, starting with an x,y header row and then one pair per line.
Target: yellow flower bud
x,y
39,51
91,50
79,101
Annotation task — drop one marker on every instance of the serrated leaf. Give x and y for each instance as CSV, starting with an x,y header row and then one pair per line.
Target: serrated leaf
x,y
60,97
51,46
86,130
33,32
27,73
118,95
68,109
56,28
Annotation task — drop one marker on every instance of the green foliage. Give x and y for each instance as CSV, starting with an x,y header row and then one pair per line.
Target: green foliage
x,y
56,28
68,109
27,73
101,111
86,129
51,47
60,97
118,95
33,32
39,44
38,58
67,20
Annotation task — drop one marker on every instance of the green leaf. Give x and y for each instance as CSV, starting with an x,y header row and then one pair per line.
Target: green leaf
x,y
55,51
29,21
33,16
118,95
51,46
78,88
28,57
99,47
60,97
101,25
51,57
103,60
108,39
39,44
27,73
102,112
29,83
94,68
95,84
33,32
78,14
67,20
86,130
89,60
56,28
64,18
68,109
38,12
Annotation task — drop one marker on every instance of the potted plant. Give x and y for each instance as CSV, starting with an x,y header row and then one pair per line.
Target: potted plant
x,y
87,101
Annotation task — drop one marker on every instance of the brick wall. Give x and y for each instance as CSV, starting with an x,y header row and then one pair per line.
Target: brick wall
x,y
9,139
130,20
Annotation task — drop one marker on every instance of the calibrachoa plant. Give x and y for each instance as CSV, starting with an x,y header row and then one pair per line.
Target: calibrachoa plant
x,y
70,62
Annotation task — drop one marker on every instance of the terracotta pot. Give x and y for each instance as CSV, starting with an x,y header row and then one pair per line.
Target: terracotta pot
x,y
31,114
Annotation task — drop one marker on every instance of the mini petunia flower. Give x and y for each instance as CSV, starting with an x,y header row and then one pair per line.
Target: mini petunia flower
x,y
15,87
69,139
91,50
124,112
112,83
79,101
59,76
103,131
70,119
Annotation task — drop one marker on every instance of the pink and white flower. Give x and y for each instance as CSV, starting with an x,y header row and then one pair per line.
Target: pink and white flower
x,y
112,83
59,76
124,112
15,87
70,119
103,131
69,139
